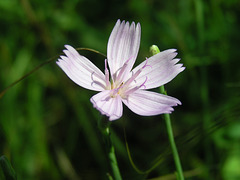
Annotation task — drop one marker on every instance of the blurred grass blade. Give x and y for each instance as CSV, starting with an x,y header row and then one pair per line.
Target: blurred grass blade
x,y
139,171
41,65
6,168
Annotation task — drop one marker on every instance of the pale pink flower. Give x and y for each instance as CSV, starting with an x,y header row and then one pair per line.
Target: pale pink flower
x,y
122,84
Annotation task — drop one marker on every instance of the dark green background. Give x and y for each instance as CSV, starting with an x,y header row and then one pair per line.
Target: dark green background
x,y
48,128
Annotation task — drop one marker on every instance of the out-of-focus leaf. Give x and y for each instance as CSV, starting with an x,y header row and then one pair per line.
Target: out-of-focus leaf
x,y
7,171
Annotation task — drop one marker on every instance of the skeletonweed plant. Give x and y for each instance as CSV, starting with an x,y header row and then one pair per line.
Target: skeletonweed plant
x,y
121,84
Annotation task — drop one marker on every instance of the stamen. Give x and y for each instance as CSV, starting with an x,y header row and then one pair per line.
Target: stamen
x,y
115,91
137,73
135,88
96,82
108,85
143,84
122,69
146,65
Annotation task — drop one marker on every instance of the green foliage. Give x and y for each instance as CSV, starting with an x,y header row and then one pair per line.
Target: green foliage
x,y
48,127
6,170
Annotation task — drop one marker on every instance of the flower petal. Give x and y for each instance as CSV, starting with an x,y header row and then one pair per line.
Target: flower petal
x,y
160,69
107,105
147,103
82,71
123,45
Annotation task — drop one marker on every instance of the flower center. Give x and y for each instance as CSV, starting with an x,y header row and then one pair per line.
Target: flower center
x,y
117,86
115,91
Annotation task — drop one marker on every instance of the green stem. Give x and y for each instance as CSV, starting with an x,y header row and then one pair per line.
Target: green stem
x,y
104,126
172,141
113,159
154,50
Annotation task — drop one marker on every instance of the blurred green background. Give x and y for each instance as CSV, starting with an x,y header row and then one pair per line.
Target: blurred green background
x,y
48,128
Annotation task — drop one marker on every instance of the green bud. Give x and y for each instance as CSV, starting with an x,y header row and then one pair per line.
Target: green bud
x,y
154,50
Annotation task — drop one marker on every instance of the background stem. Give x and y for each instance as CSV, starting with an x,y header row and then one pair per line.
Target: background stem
x,y
104,126
112,157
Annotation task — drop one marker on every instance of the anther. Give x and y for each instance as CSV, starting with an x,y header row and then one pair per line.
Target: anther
x,y
107,75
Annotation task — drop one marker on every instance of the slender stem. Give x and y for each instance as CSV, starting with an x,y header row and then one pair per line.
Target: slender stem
x,y
154,50
172,142
173,146
104,126
113,159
